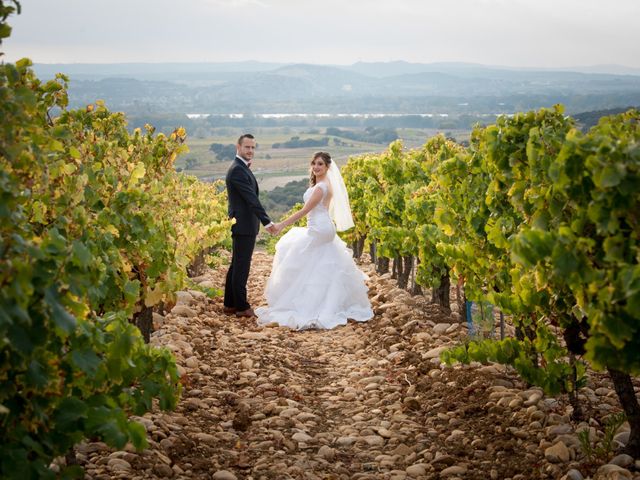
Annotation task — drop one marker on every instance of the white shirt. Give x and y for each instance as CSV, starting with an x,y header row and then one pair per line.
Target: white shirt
x,y
240,158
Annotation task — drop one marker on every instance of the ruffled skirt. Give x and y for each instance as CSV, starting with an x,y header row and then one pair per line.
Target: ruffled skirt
x,y
314,283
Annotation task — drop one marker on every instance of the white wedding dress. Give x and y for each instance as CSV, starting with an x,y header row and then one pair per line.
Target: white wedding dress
x,y
314,281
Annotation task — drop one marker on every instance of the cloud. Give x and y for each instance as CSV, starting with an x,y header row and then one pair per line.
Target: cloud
x,y
501,32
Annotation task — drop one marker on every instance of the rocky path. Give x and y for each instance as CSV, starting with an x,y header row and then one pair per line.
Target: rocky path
x,y
363,401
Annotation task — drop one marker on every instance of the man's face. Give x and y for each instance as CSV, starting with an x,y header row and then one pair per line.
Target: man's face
x,y
247,148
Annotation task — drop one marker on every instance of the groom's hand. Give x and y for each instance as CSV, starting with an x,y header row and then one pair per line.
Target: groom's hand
x,y
272,229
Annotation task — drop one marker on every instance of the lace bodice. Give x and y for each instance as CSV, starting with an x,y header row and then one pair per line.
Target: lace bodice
x,y
326,194
318,217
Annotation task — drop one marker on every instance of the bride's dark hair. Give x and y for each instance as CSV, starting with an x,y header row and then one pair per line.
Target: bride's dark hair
x,y
326,158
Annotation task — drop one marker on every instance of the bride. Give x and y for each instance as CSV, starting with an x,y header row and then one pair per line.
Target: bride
x,y
314,281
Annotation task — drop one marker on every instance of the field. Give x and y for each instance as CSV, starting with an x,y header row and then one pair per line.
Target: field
x,y
276,166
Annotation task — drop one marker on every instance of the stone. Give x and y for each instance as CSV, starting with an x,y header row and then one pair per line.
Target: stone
x,y
621,438
374,440
346,441
302,437
163,470
183,311
417,470
402,450
613,472
289,412
224,475
197,294
454,470
434,353
556,430
443,459
184,298
205,438
533,399
158,320
557,453
306,416
253,336
441,328
573,474
119,465
622,460
411,403
327,453
191,362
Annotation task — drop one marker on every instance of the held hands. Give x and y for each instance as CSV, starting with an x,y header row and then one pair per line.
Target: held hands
x,y
272,229
275,228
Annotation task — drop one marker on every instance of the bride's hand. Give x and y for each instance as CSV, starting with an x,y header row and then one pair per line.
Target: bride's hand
x,y
278,228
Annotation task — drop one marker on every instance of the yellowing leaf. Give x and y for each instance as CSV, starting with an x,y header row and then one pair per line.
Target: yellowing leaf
x,y
112,230
39,211
137,173
74,152
155,296
56,146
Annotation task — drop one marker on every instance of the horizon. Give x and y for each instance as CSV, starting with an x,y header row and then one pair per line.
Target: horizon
x,y
605,69
451,62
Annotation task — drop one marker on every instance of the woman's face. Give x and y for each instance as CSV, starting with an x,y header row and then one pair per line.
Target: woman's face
x,y
318,167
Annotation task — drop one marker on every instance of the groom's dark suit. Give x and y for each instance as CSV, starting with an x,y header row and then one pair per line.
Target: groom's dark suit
x,y
245,207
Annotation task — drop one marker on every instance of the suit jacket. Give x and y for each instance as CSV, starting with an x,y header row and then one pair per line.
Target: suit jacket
x,y
244,205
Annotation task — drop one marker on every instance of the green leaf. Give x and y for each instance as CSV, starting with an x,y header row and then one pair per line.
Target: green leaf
x,y
564,261
109,424
610,176
138,435
81,254
614,249
37,375
132,290
69,411
87,360
62,319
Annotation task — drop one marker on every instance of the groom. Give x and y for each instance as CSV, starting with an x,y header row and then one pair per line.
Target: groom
x,y
245,207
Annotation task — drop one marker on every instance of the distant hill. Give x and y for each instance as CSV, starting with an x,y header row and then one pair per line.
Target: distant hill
x,y
586,120
389,69
169,71
392,87
281,199
153,71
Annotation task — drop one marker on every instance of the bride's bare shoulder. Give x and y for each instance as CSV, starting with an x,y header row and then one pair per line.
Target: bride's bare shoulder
x,y
325,186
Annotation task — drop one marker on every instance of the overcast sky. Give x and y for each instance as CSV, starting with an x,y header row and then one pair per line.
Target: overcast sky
x,y
539,33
